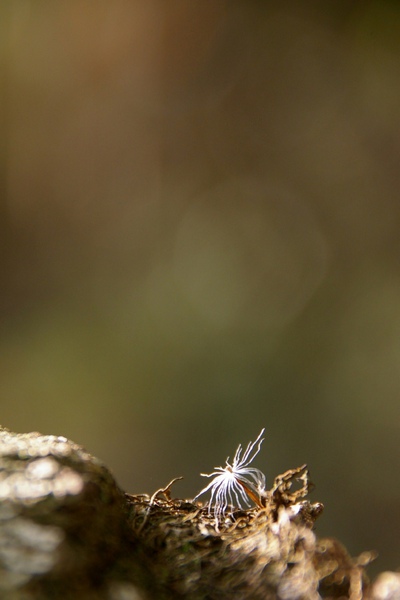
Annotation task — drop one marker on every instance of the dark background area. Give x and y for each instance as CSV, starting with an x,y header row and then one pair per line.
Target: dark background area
x,y
199,234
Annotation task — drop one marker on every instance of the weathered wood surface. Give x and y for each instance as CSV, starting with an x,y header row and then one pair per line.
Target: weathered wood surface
x,y
68,531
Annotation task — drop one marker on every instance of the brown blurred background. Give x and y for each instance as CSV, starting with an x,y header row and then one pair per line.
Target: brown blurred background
x,y
200,237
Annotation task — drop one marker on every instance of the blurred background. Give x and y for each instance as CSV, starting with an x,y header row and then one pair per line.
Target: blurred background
x,y
199,233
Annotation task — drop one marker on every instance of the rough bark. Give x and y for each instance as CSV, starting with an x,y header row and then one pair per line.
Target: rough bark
x,y
68,531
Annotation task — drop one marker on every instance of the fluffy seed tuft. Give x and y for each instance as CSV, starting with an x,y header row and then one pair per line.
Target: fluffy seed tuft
x,y
235,483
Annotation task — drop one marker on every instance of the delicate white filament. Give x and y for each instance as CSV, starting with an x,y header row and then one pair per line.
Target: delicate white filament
x,y
226,488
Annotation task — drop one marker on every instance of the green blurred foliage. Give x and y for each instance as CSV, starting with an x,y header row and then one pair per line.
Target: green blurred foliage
x,y
200,237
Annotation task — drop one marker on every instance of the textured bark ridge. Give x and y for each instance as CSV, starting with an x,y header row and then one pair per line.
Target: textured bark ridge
x,y
68,531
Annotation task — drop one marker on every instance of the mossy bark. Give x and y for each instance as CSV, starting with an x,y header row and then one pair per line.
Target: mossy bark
x,y
68,531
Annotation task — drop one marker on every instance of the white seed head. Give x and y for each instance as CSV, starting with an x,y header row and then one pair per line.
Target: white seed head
x,y
228,488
